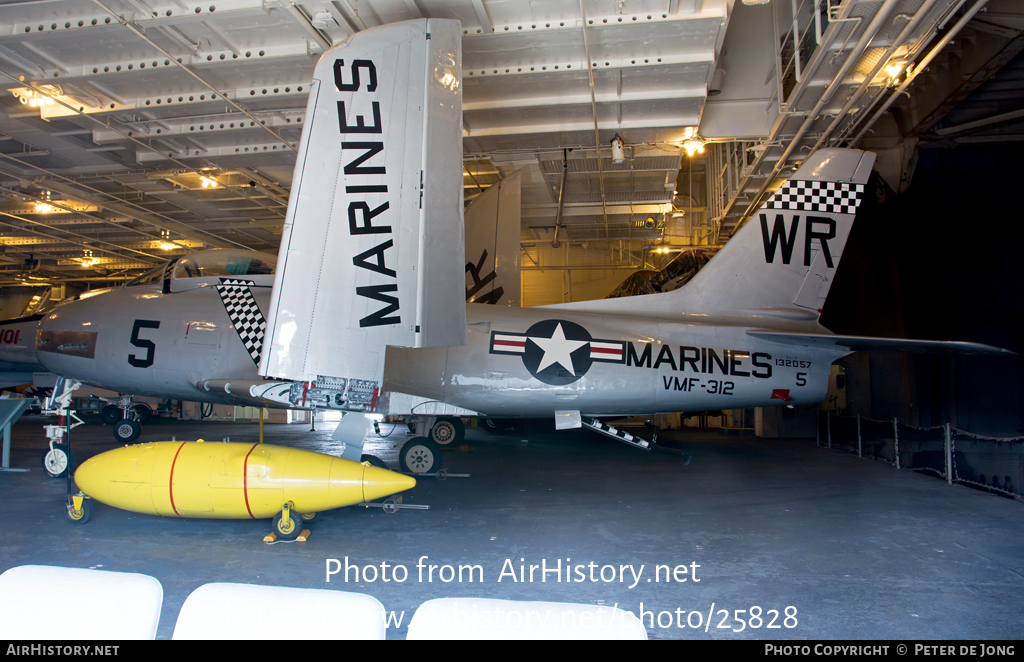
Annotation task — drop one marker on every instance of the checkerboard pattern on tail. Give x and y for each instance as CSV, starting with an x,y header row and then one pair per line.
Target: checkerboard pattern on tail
x,y
829,197
244,313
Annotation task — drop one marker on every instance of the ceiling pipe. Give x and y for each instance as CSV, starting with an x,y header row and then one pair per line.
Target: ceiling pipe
x,y
919,68
561,199
593,109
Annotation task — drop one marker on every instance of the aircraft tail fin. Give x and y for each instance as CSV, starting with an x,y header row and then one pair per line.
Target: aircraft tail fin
x,y
782,261
492,244
372,251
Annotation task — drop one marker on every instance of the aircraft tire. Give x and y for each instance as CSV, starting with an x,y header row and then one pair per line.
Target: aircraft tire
x,y
143,413
127,431
420,455
492,425
287,532
111,414
374,461
448,431
57,462
82,516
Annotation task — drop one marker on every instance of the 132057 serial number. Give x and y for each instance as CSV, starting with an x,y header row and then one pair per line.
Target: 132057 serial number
x,y
792,363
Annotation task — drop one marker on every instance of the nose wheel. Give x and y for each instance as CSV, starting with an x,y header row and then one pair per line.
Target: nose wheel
x,y
57,460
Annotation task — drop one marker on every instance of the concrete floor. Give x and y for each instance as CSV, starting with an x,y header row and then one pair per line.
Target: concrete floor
x,y
859,549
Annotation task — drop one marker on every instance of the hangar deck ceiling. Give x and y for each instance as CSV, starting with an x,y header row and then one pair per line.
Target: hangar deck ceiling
x,y
136,130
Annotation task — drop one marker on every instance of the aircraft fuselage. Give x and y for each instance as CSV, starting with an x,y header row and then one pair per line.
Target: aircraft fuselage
x,y
516,361
144,341
534,361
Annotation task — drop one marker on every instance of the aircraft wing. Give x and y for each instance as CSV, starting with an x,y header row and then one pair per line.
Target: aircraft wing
x,y
857,343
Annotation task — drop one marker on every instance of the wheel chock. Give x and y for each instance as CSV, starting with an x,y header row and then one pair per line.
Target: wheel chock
x,y
303,537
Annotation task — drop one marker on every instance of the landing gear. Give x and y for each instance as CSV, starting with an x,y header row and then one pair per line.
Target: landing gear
x,y
111,414
420,455
448,431
287,523
126,418
143,413
57,461
127,430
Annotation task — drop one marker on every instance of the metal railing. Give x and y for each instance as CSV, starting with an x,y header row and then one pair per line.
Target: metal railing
x,y
992,463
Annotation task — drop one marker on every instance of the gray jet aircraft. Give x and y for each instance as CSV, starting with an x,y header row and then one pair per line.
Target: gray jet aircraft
x,y
365,302
362,298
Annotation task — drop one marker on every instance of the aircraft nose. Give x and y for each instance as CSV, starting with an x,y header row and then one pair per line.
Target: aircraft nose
x,y
379,483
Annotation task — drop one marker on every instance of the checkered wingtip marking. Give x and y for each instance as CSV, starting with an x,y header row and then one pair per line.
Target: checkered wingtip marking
x,y
244,313
828,197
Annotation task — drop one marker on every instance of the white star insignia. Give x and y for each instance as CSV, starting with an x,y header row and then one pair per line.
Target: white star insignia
x,y
558,350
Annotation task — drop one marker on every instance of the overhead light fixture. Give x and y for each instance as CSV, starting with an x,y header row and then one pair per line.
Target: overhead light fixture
x,y
618,154
894,69
694,146
30,97
43,206
208,182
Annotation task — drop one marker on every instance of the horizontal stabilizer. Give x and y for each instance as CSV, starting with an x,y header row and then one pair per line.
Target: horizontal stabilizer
x,y
858,343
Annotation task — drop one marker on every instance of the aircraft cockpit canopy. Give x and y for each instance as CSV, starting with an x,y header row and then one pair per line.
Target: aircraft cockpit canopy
x,y
154,275
225,262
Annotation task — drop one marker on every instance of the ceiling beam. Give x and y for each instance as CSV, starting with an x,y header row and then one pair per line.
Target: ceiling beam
x,y
574,23
579,99
206,61
239,149
201,125
94,19
702,56
581,125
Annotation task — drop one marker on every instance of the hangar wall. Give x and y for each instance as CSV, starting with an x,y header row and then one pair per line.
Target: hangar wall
x,y
938,262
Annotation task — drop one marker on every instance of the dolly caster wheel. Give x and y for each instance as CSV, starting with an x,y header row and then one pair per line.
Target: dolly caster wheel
x,y
287,529
80,515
